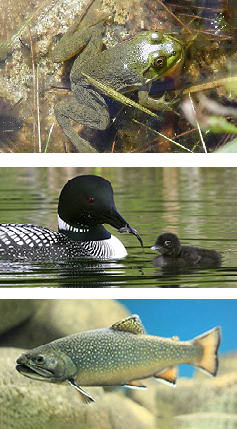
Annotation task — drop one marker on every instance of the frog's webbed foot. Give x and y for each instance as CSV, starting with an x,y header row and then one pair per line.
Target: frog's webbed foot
x,y
63,113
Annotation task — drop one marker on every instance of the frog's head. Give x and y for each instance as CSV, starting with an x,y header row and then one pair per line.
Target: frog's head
x,y
157,54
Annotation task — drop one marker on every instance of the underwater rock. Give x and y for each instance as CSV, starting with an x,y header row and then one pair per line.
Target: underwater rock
x,y
55,318
14,312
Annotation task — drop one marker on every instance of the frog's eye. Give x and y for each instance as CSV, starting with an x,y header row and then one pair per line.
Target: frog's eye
x,y
159,62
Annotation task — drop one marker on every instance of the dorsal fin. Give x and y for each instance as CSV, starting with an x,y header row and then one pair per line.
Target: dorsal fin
x,y
131,324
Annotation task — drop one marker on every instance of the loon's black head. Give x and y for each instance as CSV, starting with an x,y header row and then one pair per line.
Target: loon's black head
x,y
86,202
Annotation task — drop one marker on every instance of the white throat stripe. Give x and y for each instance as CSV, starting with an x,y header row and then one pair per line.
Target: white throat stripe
x,y
62,225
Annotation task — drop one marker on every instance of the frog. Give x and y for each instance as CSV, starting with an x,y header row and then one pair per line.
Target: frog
x,y
130,65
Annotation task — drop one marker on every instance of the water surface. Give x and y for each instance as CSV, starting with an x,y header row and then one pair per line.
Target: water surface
x,y
197,204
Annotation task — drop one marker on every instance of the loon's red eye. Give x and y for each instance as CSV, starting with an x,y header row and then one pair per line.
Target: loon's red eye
x,y
90,199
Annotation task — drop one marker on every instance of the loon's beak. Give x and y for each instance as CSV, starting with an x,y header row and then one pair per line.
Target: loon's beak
x,y
117,221
128,228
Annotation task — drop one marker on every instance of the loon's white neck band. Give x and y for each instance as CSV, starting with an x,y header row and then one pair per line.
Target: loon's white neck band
x,y
64,226
106,248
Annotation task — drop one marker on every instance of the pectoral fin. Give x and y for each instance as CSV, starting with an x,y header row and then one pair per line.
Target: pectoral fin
x,y
135,385
87,399
168,375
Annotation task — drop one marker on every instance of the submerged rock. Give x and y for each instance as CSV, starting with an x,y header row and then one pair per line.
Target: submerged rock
x,y
13,312
56,318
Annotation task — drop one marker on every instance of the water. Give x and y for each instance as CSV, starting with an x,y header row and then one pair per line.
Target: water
x,y
198,204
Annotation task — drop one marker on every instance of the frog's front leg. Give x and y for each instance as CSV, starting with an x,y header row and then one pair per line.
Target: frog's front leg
x,y
152,103
90,110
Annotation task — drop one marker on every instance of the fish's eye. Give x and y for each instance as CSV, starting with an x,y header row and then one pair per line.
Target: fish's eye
x,y
40,359
90,199
159,62
167,242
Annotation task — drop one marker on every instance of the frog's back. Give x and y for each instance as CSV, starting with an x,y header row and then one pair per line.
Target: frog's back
x,y
115,67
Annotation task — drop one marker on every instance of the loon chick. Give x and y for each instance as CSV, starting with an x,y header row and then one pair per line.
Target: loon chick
x,y
173,254
85,203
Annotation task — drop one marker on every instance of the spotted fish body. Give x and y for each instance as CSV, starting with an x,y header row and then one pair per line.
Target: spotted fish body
x,y
119,355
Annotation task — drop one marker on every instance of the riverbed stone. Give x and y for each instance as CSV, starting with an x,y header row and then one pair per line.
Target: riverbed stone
x,y
14,312
55,318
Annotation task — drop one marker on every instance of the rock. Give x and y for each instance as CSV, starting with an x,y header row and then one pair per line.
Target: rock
x,y
14,312
207,420
55,318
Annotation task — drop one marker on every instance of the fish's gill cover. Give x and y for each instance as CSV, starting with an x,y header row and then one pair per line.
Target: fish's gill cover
x,y
130,324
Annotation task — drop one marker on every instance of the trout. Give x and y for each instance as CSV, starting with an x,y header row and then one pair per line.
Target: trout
x,y
118,356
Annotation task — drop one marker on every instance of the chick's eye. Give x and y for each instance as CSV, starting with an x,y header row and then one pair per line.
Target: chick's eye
x,y
167,243
159,62
90,199
40,359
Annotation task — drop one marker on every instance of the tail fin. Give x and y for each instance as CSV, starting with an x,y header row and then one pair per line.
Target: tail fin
x,y
209,341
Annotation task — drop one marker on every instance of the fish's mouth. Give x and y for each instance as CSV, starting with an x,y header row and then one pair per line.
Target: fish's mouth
x,y
35,372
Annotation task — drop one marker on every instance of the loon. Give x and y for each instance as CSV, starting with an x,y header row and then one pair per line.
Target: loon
x,y
85,204
175,255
